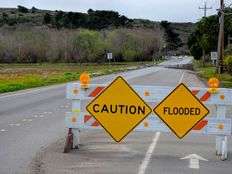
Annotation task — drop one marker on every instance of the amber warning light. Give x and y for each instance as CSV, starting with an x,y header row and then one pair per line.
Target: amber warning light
x,y
84,79
213,83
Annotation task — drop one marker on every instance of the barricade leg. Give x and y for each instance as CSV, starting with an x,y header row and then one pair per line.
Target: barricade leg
x,y
219,140
221,113
76,138
224,148
69,141
76,108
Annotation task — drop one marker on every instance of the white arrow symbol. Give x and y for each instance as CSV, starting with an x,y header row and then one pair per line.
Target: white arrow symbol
x,y
194,160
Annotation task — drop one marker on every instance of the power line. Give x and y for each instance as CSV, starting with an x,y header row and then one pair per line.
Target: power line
x,y
205,8
229,5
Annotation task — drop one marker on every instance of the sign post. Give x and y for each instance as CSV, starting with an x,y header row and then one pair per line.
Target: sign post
x,y
213,56
109,57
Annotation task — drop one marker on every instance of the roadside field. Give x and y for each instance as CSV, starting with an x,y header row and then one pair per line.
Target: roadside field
x,y
15,77
209,71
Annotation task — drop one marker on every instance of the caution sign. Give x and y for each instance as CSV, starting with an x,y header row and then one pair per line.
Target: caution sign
x,y
119,109
181,110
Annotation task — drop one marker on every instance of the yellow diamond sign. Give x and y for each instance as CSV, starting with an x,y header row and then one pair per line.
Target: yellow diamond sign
x,y
118,109
181,110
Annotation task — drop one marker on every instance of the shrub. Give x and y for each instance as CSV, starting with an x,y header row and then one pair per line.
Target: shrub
x,y
129,54
228,63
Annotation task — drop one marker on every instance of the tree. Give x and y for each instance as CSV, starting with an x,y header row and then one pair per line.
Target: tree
x,y
22,9
33,10
194,45
205,35
5,15
87,46
204,45
47,18
134,44
101,19
172,38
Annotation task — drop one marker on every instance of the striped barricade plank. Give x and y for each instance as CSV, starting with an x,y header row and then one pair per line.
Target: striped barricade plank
x,y
202,95
200,125
96,91
210,126
151,93
90,121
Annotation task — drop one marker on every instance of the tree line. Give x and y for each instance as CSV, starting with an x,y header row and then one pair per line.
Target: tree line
x,y
25,44
204,39
81,37
95,20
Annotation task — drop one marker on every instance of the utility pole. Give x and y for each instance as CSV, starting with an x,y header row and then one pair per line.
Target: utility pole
x,y
221,40
229,39
205,8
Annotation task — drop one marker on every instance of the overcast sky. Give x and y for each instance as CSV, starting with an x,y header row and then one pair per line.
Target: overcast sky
x,y
156,10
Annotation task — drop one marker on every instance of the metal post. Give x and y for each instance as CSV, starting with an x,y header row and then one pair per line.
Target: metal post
x,y
221,114
76,108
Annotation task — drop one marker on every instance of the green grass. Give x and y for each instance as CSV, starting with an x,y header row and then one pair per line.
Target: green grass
x,y
15,77
210,71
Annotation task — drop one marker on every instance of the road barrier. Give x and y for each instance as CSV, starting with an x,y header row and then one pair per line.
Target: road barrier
x,y
216,124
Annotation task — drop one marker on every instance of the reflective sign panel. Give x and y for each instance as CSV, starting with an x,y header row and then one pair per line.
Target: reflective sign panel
x,y
181,110
119,109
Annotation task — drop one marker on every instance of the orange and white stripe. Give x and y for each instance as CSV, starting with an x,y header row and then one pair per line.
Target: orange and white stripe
x,y
95,91
90,121
201,125
202,95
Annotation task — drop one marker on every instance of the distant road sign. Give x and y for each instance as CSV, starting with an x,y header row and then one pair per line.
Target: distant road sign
x,y
118,109
181,110
109,56
213,55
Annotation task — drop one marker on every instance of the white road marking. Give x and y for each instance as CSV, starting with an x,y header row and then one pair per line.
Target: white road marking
x,y
45,112
148,155
41,116
2,130
18,124
29,120
12,124
194,160
24,119
35,116
152,146
182,77
49,112
31,91
194,164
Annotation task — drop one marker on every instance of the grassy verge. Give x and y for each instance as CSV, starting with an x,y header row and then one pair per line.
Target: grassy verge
x,y
22,76
209,71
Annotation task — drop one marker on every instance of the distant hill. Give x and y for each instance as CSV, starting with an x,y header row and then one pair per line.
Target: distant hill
x,y
95,20
12,16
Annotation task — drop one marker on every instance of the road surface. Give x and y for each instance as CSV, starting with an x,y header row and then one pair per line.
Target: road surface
x,y
32,136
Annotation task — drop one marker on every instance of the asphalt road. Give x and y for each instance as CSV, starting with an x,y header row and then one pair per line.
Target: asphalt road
x,y
32,136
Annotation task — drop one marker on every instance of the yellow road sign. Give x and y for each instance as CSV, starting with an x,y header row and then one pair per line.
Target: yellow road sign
x,y
181,110
118,109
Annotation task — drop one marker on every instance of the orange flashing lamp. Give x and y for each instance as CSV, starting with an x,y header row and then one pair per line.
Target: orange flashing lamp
x,y
213,83
84,79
